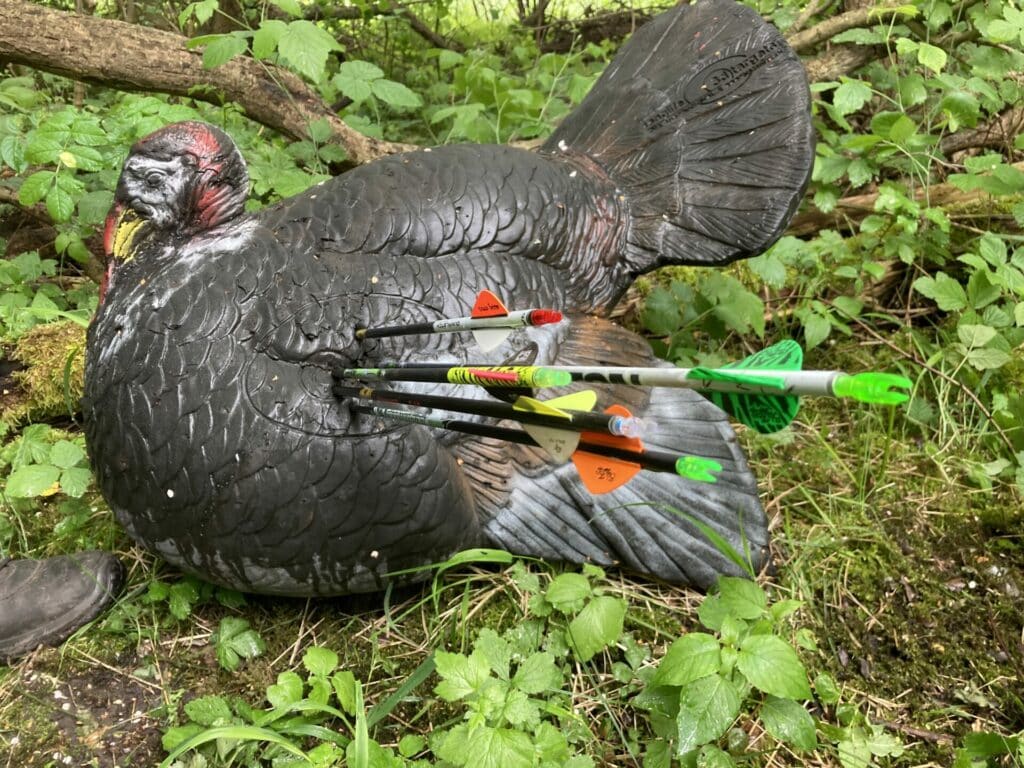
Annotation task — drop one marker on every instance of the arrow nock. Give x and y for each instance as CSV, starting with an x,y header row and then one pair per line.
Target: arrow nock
x,y
873,387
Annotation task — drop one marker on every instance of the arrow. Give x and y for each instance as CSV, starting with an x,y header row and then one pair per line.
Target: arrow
x,y
603,461
762,390
554,424
490,322
524,377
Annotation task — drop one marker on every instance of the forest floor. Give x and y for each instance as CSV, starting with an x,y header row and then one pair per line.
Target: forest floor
x,y
910,578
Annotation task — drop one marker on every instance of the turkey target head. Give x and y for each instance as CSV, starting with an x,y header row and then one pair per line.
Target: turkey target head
x,y
177,182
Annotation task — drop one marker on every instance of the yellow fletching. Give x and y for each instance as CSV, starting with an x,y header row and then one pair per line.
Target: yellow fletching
x,y
576,401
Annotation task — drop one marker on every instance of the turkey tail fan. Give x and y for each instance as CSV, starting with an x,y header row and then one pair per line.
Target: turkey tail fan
x,y
657,524
703,122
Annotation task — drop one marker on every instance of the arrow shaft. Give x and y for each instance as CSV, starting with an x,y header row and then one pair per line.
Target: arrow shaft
x,y
812,383
484,375
575,421
518,319
653,460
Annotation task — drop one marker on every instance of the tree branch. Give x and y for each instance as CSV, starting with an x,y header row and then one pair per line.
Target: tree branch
x,y
129,57
997,133
851,210
829,28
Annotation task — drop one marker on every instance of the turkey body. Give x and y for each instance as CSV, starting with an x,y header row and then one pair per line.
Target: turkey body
x,y
208,407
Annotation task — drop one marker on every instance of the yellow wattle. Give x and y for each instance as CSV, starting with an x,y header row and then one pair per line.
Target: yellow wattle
x,y
128,225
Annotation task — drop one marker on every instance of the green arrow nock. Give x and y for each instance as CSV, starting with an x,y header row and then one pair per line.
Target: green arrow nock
x,y
698,468
872,387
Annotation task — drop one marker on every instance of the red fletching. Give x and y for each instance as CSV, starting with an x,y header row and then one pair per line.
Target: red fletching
x,y
494,375
545,316
488,305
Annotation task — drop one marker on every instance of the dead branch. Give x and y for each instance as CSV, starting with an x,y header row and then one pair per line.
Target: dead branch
x,y
129,57
829,28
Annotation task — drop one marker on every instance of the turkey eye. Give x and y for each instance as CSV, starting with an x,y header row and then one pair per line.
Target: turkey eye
x,y
153,179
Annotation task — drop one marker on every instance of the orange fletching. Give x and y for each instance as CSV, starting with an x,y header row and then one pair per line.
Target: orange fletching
x,y
603,474
488,305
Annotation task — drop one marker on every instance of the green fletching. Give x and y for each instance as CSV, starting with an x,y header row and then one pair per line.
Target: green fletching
x,y
698,468
764,413
872,387
786,355
733,377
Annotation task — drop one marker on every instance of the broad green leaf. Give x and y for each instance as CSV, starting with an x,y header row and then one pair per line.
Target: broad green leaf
x,y
395,94
816,329
357,90
853,751
209,710
360,70
344,684
711,756
851,96
291,7
496,649
1018,313
931,56
287,690
538,673
183,596
975,335
988,358
320,661
32,481
743,598
826,688
789,722
691,657
707,707
74,481
221,49
567,591
65,454
771,665
769,268
93,206
411,744
304,46
943,290
266,37
460,675
35,187
597,626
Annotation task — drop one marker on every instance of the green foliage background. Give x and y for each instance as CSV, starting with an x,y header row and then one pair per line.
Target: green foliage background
x,y
908,255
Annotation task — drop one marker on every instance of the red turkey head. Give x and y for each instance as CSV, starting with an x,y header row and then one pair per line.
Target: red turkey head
x,y
178,181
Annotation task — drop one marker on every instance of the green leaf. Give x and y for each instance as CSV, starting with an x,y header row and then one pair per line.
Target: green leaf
x,y
357,90
975,335
943,290
487,747
460,675
851,95
183,596
771,665
75,481
567,591
826,688
537,674
597,626
304,46
411,744
816,329
65,454
931,56
235,640
93,206
691,657
769,268
1018,314
344,684
395,94
789,722
291,7
32,481
743,598
266,37
319,661
360,70
712,757
35,187
707,707
222,48
988,358
287,690
209,711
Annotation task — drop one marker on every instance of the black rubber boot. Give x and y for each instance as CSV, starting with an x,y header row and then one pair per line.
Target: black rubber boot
x,y
43,601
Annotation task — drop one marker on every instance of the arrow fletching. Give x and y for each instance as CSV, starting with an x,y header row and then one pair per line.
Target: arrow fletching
x,y
872,387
